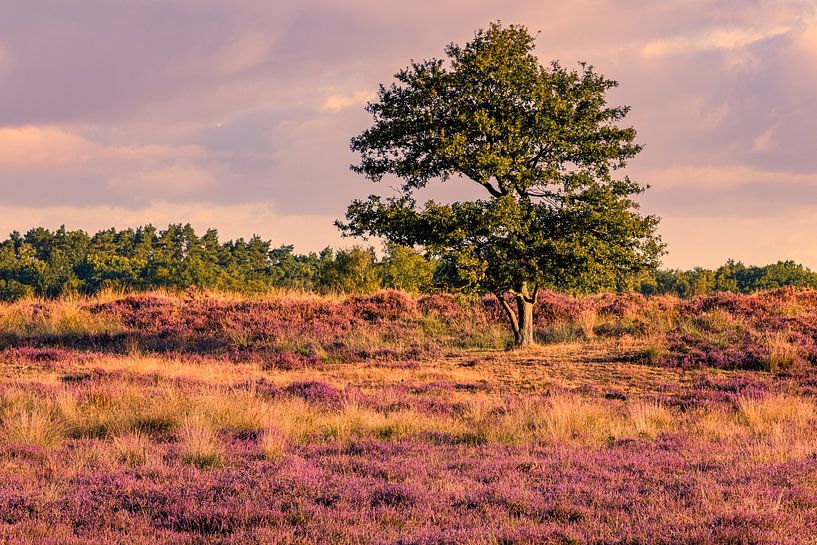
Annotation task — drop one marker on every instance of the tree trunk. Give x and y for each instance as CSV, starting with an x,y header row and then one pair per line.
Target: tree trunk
x,y
523,336
521,320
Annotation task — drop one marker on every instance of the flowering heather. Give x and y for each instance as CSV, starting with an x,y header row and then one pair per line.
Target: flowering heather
x,y
774,330
317,392
375,420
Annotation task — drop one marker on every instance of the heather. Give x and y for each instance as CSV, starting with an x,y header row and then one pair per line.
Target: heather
x,y
774,330
399,419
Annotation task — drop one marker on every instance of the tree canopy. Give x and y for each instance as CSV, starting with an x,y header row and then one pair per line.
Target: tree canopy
x,y
543,144
48,263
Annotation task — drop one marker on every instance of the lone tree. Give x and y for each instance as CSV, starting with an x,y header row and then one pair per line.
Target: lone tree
x,y
544,145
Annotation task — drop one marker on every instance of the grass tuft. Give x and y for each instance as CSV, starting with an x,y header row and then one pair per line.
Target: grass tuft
x,y
781,353
273,442
34,426
132,449
200,445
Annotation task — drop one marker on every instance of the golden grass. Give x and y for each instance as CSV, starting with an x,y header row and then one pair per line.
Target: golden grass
x,y
570,418
273,442
660,314
650,419
58,317
132,449
763,415
353,421
778,445
716,320
126,422
716,424
656,348
199,443
560,418
782,353
296,421
34,426
587,322
239,411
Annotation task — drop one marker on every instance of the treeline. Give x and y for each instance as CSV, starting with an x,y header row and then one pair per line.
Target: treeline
x,y
48,263
52,263
732,276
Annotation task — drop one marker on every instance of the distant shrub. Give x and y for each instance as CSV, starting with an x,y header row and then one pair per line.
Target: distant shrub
x,y
316,392
389,305
442,306
12,290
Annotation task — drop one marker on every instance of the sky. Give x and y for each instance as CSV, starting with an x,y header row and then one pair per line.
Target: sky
x,y
237,114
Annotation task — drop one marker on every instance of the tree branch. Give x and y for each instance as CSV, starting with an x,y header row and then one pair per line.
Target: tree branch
x,y
484,183
509,311
535,297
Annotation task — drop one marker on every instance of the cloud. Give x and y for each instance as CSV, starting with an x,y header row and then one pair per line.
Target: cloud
x,y
53,147
711,38
247,51
134,110
698,178
765,141
175,181
338,102
38,162
30,146
807,38
5,61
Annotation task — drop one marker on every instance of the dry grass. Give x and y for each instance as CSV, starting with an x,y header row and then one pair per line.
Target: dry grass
x,y
650,419
764,415
778,445
164,369
53,318
199,443
660,315
571,418
234,411
273,442
131,417
88,455
296,421
587,322
782,353
560,418
132,449
295,418
656,348
34,426
108,409
716,320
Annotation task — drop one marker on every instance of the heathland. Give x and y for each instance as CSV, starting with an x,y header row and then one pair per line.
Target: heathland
x,y
202,418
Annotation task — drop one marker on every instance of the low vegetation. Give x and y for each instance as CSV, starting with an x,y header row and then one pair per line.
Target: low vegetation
x,y
396,419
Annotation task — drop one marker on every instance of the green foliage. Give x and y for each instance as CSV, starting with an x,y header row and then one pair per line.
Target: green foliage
x,y
732,276
49,264
12,290
542,143
404,269
351,271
